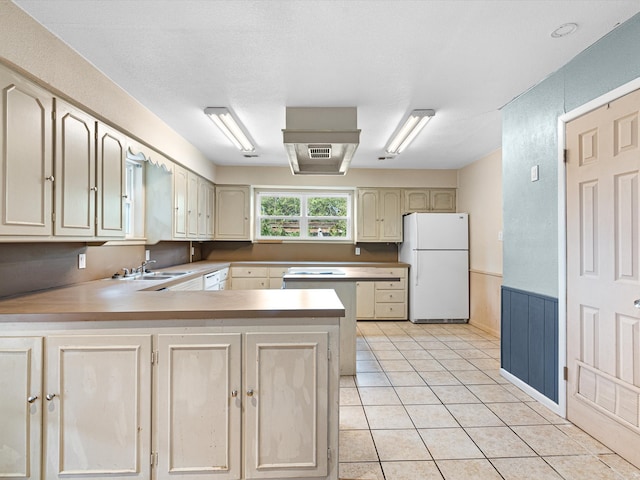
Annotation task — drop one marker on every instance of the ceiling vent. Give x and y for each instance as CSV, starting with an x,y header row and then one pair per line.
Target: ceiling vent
x,y
321,140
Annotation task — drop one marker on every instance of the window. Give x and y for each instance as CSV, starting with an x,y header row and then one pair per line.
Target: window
x,y
134,200
296,215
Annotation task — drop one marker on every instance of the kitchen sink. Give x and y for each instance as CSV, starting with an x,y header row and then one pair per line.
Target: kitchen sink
x,y
151,276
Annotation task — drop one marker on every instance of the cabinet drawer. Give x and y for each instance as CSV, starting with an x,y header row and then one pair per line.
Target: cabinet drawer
x,y
244,283
277,272
249,272
396,272
389,296
399,285
391,310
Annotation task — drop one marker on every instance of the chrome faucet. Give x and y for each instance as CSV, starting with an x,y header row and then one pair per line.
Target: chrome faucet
x,y
143,267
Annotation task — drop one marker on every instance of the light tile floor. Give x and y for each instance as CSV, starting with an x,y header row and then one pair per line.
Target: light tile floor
x,y
428,402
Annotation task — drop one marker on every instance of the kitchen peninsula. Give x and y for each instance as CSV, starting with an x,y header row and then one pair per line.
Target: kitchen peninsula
x,y
123,377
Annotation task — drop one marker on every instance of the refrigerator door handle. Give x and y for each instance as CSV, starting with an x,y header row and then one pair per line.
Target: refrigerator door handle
x,y
416,264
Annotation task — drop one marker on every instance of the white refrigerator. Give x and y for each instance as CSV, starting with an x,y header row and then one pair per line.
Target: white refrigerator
x,y
436,246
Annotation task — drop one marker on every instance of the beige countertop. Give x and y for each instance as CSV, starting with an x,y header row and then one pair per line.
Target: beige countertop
x,y
129,299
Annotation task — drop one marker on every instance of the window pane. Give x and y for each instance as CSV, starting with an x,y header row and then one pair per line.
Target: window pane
x,y
327,206
327,228
279,227
280,206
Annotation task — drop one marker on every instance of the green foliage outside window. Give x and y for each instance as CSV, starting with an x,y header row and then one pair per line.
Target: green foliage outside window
x,y
304,216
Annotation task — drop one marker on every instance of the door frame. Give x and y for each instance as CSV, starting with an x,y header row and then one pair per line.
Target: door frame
x,y
563,119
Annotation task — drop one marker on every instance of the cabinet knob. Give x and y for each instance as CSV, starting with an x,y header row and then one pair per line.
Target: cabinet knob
x,y
250,393
50,178
50,396
234,393
32,398
94,189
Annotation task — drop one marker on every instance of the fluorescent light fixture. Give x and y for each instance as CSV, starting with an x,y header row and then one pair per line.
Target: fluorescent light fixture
x,y
230,127
408,131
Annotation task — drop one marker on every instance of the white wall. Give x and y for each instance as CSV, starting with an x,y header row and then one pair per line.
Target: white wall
x,y
355,177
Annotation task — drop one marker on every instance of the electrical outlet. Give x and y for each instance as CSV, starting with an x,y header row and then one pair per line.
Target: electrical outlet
x,y
500,236
82,260
534,173
357,250
147,255
193,251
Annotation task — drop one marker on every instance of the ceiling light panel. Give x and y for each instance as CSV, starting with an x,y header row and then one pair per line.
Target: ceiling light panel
x,y
414,123
223,119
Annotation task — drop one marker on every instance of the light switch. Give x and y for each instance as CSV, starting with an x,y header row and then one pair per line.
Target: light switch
x,y
357,250
534,173
82,260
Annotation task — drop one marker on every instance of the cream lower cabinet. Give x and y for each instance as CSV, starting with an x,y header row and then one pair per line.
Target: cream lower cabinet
x,y
97,406
21,404
206,385
249,278
94,404
383,300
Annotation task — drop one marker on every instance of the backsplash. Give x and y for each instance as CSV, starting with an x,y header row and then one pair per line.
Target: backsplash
x,y
29,267
299,252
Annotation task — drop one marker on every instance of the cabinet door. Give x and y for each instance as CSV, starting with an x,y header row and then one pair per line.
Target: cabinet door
x,y
286,396
20,407
233,205
365,302
390,216
198,408
443,200
192,205
98,423
111,177
180,217
26,160
368,219
210,210
416,200
75,213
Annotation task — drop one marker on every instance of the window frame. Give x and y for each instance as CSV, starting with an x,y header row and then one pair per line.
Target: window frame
x,y
303,218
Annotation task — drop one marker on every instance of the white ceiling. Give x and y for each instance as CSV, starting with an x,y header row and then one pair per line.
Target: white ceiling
x,y
463,58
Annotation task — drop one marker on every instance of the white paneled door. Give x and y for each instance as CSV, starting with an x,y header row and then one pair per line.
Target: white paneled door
x,y
603,275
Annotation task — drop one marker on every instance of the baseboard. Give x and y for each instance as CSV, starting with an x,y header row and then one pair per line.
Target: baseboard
x,y
532,392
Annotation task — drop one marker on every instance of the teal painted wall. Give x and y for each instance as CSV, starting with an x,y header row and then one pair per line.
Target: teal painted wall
x,y
530,137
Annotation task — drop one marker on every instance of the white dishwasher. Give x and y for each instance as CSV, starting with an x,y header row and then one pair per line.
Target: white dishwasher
x,y
216,280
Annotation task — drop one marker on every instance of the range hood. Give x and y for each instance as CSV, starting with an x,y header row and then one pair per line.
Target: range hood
x,y
320,140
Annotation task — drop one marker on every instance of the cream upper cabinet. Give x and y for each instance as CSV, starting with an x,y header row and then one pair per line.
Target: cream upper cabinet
x,y
97,406
192,204
180,217
233,209
75,165
421,200
111,158
415,200
206,202
443,200
379,217
198,406
26,158
21,404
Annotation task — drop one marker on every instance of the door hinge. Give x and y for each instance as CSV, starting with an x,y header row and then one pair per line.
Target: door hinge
x,y
566,155
154,357
154,459
53,217
328,453
329,354
53,115
565,373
